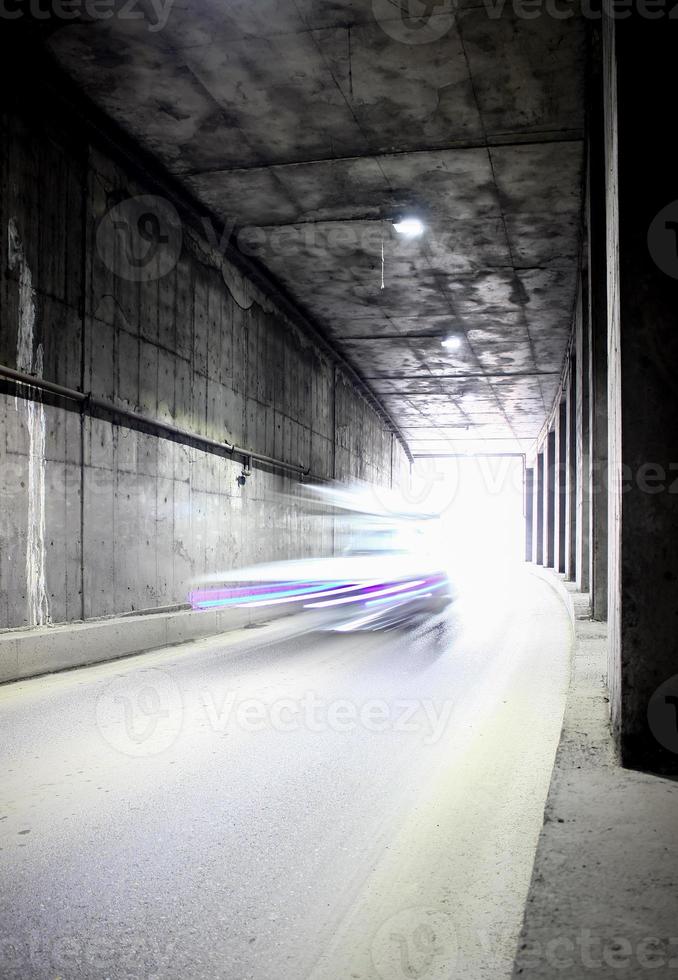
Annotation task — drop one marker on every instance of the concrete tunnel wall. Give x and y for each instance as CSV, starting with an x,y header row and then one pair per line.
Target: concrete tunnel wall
x,y
101,519
618,473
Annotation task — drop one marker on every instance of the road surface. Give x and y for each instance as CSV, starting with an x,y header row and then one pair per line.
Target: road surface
x,y
279,803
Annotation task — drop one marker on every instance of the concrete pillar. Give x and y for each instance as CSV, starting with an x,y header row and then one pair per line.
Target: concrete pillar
x,y
529,512
597,339
571,500
642,299
549,499
582,437
538,511
560,486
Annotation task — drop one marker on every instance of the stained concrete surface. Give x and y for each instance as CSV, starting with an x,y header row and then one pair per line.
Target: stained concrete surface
x,y
602,901
150,829
99,519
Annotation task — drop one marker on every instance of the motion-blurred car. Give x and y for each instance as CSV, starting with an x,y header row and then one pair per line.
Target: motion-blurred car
x,y
387,575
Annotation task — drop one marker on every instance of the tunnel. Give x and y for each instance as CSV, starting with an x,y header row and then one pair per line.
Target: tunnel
x,y
338,482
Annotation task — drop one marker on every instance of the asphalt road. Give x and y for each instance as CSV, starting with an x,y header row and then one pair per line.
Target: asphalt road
x,y
281,803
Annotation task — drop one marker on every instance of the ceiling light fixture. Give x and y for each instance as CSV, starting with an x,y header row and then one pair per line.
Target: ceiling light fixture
x,y
409,227
451,343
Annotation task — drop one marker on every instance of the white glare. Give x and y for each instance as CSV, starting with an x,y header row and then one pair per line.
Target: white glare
x,y
451,343
410,227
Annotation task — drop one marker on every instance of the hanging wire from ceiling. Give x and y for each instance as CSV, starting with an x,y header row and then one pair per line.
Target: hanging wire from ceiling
x,y
382,258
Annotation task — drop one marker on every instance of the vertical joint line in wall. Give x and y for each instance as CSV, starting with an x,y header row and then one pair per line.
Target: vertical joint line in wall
x,y
334,447
391,482
350,64
83,322
334,422
82,511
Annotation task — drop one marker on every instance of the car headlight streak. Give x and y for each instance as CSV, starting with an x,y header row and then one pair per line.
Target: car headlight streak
x,y
322,594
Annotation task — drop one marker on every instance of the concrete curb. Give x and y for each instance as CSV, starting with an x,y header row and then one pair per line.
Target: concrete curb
x,y
559,586
46,649
608,833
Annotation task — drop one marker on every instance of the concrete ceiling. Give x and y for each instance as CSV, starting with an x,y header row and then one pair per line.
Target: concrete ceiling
x,y
309,125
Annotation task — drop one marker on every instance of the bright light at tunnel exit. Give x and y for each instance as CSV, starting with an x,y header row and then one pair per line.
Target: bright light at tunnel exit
x,y
481,501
